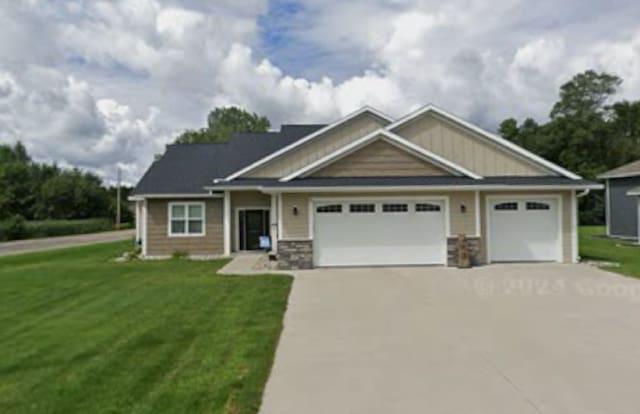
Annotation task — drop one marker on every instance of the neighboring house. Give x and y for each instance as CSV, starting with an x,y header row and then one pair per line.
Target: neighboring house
x,y
364,190
622,200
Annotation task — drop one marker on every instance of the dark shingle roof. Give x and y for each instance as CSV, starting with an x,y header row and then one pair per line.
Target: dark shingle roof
x,y
187,168
627,170
434,181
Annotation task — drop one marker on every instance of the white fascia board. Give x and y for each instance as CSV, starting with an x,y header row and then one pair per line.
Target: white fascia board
x,y
308,138
390,137
492,137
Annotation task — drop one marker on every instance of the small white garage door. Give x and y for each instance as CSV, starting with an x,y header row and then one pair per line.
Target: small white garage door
x,y
391,232
524,229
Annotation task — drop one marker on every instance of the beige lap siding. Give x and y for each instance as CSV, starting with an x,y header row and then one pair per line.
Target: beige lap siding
x,y
160,244
297,226
379,158
567,244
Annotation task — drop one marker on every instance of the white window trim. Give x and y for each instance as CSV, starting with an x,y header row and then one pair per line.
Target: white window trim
x,y
236,217
187,204
536,159
392,139
519,197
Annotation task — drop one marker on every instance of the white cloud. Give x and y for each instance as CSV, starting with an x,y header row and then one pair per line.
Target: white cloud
x,y
105,83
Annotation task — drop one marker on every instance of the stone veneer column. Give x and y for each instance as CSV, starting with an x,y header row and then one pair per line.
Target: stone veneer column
x,y
473,246
295,254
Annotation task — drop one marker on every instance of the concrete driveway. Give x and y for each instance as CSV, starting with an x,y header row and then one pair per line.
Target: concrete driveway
x,y
495,339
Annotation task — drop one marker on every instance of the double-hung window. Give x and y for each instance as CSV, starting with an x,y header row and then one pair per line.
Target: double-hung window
x,y
186,219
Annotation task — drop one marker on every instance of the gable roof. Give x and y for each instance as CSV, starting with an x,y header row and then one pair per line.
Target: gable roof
x,y
504,143
631,169
188,168
303,140
393,139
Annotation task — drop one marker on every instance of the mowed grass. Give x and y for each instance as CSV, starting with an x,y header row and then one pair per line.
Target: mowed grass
x,y
82,334
594,246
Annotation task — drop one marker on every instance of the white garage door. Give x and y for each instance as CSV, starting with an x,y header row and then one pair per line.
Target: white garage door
x,y
524,229
392,232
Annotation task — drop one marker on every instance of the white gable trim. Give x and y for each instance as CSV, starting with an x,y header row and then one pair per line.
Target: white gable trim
x,y
492,137
393,139
308,138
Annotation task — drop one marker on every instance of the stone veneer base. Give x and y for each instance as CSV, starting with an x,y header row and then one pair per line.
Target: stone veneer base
x,y
295,254
473,246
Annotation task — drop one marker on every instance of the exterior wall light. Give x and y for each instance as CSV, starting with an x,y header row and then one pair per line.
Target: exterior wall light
x,y
295,210
463,208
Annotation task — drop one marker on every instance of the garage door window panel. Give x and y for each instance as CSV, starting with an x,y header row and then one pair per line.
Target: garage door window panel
x,y
534,205
362,208
427,207
510,206
331,208
395,208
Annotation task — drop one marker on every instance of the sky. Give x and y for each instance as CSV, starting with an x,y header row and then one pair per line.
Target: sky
x,y
103,85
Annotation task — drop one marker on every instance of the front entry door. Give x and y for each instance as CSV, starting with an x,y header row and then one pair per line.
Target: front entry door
x,y
252,225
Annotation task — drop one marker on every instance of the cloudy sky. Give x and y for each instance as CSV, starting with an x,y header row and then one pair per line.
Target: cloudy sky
x,y
97,84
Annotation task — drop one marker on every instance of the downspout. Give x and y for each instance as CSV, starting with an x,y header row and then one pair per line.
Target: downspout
x,y
584,193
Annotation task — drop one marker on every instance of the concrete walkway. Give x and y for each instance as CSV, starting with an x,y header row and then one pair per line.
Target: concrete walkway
x,y
248,263
25,246
495,339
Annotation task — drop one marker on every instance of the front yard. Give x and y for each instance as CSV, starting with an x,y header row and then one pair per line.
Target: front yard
x,y
594,246
80,333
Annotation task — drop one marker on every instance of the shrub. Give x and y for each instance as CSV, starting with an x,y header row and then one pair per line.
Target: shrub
x,y
179,254
13,228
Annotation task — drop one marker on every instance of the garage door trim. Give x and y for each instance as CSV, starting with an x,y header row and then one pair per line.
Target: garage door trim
x,y
314,201
521,197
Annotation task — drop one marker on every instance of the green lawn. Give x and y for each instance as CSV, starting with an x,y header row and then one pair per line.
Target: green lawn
x,y
82,334
593,246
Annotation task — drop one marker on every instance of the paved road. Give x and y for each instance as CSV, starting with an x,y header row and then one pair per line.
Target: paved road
x,y
496,339
24,246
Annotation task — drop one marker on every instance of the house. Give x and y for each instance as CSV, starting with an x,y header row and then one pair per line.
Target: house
x,y
366,189
623,200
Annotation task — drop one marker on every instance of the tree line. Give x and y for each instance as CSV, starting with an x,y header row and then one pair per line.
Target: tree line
x,y
587,132
40,191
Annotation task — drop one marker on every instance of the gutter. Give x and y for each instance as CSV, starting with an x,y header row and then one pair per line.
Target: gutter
x,y
278,189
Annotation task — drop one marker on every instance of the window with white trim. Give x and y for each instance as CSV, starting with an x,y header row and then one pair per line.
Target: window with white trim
x,y
395,208
330,208
186,219
362,208
424,207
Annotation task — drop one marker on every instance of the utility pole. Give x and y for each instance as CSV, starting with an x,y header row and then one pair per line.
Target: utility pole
x,y
118,201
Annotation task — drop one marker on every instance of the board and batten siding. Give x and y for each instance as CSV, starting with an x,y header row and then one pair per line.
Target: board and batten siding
x,y
567,245
320,146
377,159
160,244
466,148
296,227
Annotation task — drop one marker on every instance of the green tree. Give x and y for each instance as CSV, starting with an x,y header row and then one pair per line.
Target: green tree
x,y
584,133
585,94
222,122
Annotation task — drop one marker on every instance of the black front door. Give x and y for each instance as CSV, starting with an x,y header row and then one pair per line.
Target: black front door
x,y
252,225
